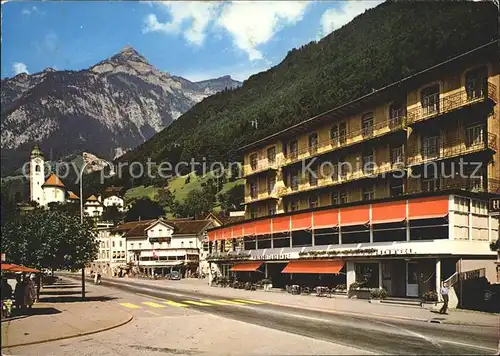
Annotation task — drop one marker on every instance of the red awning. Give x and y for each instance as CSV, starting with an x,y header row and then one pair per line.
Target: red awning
x,y
355,215
302,221
427,208
314,266
263,227
325,218
281,224
389,212
237,231
246,267
10,267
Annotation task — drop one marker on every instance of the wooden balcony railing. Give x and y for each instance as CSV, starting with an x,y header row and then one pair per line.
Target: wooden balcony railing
x,y
351,138
465,184
261,194
261,166
450,149
452,102
331,180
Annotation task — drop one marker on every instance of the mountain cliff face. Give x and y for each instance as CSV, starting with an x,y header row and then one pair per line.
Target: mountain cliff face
x,y
106,110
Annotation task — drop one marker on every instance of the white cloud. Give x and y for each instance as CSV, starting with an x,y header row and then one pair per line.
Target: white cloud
x,y
28,11
335,18
197,14
19,67
255,23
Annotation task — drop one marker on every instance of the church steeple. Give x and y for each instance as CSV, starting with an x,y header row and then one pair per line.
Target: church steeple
x,y
36,152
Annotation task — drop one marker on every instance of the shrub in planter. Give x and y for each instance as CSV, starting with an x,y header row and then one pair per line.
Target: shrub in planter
x,y
341,287
378,293
266,281
356,285
430,296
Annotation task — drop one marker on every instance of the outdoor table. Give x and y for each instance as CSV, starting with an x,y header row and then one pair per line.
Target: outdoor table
x,y
321,291
295,289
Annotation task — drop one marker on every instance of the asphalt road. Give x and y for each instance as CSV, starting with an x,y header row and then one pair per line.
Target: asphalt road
x,y
368,334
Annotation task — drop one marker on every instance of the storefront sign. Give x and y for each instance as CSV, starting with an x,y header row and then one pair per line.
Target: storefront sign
x,y
495,205
396,251
284,256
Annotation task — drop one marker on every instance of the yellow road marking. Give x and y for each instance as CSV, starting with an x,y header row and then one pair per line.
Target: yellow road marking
x,y
150,296
196,303
231,302
248,301
214,302
153,304
175,304
129,305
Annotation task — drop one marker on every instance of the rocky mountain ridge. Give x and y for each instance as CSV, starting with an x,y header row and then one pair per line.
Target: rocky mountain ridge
x,y
106,110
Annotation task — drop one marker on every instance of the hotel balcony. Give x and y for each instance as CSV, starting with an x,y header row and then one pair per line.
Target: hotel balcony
x,y
304,185
451,102
260,195
354,137
451,149
466,184
260,166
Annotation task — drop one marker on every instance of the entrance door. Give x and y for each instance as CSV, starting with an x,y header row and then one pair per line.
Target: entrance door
x,y
386,277
412,279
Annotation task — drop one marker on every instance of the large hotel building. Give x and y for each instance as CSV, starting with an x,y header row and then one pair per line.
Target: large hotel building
x,y
390,189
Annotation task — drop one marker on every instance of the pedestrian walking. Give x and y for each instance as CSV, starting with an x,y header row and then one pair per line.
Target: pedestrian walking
x,y
445,290
19,293
29,291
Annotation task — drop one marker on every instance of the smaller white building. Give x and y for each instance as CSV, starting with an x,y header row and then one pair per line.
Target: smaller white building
x,y
93,206
114,200
112,251
160,246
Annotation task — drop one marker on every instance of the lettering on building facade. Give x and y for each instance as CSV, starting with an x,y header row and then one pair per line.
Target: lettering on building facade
x,y
396,251
276,256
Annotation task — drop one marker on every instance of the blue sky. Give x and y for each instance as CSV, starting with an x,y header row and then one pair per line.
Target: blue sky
x,y
196,40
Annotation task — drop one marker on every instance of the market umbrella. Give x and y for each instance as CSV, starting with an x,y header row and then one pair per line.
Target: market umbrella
x,y
11,267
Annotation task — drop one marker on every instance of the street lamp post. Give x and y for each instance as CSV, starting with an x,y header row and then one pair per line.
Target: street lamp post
x,y
81,212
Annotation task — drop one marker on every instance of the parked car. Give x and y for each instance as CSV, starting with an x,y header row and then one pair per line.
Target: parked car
x,y
174,275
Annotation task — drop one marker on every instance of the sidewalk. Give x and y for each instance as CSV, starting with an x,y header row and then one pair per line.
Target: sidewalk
x,y
61,314
338,304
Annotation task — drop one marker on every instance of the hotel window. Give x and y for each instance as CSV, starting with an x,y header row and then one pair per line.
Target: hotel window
x,y
271,210
335,171
131,245
430,184
368,193
313,201
294,149
396,113
294,180
396,186
462,204
253,213
430,147
140,244
253,161
313,143
343,168
182,243
271,155
367,125
430,99
476,82
368,163
294,205
338,133
313,177
120,244
253,190
339,197
475,135
271,185
397,157
113,244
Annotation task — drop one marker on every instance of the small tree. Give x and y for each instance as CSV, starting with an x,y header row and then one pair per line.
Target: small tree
x,y
144,209
50,239
165,198
113,214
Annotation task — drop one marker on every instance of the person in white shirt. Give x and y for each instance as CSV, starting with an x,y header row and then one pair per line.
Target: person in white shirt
x,y
445,290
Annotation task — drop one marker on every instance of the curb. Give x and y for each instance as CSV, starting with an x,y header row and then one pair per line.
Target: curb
x,y
70,336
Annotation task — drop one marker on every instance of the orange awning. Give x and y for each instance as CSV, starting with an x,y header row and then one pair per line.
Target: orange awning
x,y
314,266
227,233
302,221
10,267
237,231
426,208
281,224
325,218
389,212
263,227
355,215
249,229
246,267
211,236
